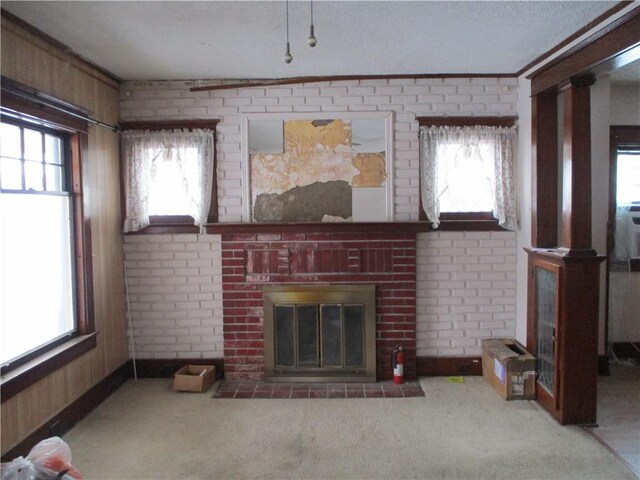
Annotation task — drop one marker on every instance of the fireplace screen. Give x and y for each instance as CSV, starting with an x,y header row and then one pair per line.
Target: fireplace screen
x,y
320,333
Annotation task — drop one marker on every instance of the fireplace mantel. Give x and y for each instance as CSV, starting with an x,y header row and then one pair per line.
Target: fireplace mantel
x,y
319,227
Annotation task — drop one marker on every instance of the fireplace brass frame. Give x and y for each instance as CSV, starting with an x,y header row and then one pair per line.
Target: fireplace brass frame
x,y
364,295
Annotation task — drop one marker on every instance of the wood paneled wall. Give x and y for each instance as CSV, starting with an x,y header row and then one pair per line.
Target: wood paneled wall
x,y
31,60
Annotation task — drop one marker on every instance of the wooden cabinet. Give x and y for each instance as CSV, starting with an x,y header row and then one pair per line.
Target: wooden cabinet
x,y
562,331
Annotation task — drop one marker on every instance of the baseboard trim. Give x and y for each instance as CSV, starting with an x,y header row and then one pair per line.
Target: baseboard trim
x,y
448,366
603,366
165,368
626,350
73,413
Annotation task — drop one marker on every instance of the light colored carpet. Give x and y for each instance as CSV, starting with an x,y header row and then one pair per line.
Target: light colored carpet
x,y
463,431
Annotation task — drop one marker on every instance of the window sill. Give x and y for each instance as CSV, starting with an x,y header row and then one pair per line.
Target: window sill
x,y
168,224
156,229
470,226
24,376
466,222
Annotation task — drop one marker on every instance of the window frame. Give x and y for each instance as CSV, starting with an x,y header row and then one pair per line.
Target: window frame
x,y
172,223
620,136
40,362
464,221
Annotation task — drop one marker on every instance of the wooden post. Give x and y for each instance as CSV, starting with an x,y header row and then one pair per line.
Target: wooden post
x,y
544,161
576,171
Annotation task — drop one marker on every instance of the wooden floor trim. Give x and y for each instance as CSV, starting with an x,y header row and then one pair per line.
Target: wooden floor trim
x,y
448,366
627,350
165,368
73,413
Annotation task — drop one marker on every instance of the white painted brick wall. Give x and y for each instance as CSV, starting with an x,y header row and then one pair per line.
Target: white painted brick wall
x,y
175,295
405,97
466,291
466,281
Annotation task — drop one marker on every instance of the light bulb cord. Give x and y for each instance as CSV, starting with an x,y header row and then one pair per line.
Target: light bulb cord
x,y
287,3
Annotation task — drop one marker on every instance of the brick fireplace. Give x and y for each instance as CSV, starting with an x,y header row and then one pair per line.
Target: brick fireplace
x,y
256,255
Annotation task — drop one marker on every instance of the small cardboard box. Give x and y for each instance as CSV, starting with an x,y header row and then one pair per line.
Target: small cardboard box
x,y
194,378
509,368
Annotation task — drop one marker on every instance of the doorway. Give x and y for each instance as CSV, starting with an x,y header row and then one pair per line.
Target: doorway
x,y
623,244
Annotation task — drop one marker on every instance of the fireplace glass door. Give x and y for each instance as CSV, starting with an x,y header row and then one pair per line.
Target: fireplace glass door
x,y
326,338
319,336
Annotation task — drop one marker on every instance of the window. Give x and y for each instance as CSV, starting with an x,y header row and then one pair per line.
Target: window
x,y
465,176
169,176
626,239
628,177
37,241
466,171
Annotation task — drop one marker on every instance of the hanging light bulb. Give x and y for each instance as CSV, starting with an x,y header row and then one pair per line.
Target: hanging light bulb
x,y
287,56
312,40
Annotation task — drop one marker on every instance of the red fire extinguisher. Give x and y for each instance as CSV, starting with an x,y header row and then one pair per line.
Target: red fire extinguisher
x,y
397,362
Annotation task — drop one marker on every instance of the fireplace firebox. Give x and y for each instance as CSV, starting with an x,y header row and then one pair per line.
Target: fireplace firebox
x,y
320,333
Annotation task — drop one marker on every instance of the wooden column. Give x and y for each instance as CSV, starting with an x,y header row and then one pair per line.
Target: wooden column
x,y
576,171
544,161
611,46
575,264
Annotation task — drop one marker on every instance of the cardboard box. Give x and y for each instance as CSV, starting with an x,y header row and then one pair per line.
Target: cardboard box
x,y
509,368
194,378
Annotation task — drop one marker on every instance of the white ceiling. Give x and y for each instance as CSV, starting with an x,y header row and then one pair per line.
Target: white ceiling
x,y
246,39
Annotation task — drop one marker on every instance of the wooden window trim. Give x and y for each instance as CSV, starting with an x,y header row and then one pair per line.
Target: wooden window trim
x,y
465,221
172,223
48,358
21,108
29,373
157,125
507,121
619,135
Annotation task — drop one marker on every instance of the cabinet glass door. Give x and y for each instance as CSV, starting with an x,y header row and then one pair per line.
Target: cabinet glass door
x,y
546,292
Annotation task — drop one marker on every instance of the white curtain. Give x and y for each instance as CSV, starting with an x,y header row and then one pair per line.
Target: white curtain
x,y
167,173
478,161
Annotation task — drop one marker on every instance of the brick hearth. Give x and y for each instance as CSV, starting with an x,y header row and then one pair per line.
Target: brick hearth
x,y
384,256
249,389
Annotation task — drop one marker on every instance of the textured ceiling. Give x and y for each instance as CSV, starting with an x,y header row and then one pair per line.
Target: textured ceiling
x,y
246,39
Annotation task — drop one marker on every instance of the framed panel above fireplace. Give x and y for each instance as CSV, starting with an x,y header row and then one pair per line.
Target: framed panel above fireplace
x,y
317,167
315,333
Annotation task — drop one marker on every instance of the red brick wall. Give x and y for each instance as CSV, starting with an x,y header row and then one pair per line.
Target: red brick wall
x,y
251,260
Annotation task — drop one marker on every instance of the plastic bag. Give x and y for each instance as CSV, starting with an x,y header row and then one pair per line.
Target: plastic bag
x,y
48,460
